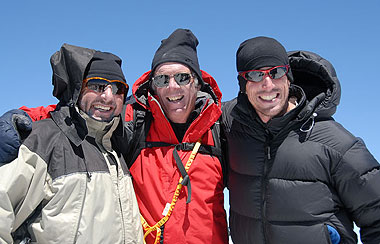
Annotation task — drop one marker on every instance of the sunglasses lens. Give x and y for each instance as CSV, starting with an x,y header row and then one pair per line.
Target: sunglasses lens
x,y
277,73
255,76
182,79
161,80
97,85
118,88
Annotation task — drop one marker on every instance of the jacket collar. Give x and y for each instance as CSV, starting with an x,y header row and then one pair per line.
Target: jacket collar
x,y
76,125
246,114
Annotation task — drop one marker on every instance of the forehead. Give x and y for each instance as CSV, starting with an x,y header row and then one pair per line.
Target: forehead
x,y
171,68
266,67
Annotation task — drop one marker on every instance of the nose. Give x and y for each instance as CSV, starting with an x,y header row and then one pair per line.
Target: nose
x,y
173,83
267,82
107,93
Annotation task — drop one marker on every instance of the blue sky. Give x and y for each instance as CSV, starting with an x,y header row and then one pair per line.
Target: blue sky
x,y
344,32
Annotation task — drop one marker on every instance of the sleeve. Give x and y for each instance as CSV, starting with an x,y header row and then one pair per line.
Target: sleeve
x,y
39,113
21,191
357,179
15,126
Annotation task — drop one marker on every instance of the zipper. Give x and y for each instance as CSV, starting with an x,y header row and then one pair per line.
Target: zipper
x,y
267,151
115,163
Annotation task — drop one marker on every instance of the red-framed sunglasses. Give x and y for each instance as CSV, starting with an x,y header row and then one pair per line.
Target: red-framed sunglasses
x,y
258,75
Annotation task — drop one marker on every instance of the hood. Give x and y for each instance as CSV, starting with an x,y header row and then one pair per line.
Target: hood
x,y
317,77
140,89
69,65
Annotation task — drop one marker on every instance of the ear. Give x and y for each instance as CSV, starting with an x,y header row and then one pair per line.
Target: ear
x,y
197,84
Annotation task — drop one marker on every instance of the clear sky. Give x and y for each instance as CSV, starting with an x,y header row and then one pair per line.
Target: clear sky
x,y
344,32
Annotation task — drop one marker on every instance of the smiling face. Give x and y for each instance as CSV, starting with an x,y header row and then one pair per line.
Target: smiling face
x,y
176,101
269,97
102,106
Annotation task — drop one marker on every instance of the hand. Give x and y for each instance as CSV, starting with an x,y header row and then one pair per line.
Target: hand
x,y
15,126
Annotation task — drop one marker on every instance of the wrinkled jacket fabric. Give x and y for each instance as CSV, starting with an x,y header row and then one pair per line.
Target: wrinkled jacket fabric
x,y
68,185
298,173
156,175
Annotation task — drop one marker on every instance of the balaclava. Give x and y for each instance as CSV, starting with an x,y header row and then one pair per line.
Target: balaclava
x,y
259,52
180,47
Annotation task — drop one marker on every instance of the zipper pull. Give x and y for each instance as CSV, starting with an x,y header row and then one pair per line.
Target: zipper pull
x,y
268,152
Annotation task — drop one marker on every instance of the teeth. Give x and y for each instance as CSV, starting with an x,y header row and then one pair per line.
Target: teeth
x,y
268,98
102,107
174,98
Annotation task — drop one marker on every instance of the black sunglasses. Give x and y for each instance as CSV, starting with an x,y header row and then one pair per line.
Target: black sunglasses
x,y
99,84
182,79
258,75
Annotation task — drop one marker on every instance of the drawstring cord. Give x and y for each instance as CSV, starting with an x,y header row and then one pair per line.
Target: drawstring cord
x,y
302,129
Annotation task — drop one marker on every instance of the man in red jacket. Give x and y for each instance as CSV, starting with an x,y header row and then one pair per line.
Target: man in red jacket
x,y
184,103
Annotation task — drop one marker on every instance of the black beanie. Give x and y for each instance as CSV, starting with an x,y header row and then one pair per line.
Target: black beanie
x,y
180,47
259,52
105,65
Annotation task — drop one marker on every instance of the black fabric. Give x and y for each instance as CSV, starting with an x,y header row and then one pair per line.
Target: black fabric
x,y
180,47
105,65
287,185
180,129
69,65
259,52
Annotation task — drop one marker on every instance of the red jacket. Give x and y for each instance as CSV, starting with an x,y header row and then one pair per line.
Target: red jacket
x,y
156,175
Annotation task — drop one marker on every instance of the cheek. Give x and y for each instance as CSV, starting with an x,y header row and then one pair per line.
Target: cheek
x,y
83,101
249,89
119,101
160,93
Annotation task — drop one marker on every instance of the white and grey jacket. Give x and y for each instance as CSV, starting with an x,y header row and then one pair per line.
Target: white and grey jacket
x,y
69,193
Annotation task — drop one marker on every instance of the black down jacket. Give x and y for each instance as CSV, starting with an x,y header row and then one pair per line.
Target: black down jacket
x,y
296,174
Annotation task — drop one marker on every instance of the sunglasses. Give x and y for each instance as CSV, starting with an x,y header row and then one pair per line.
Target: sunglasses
x,y
99,84
258,75
182,79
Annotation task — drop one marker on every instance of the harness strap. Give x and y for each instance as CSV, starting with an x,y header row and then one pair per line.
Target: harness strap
x,y
182,170
182,181
185,146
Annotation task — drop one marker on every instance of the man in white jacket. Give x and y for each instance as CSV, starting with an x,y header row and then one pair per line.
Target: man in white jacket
x,y
69,183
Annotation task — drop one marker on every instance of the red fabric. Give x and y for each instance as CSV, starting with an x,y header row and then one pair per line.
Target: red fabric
x,y
39,113
156,176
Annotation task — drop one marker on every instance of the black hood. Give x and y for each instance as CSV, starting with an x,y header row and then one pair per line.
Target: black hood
x,y
69,65
317,77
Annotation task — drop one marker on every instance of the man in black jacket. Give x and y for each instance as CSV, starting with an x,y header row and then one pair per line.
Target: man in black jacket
x,y
296,175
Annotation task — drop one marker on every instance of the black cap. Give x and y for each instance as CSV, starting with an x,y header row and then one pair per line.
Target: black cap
x,y
105,65
259,52
179,47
